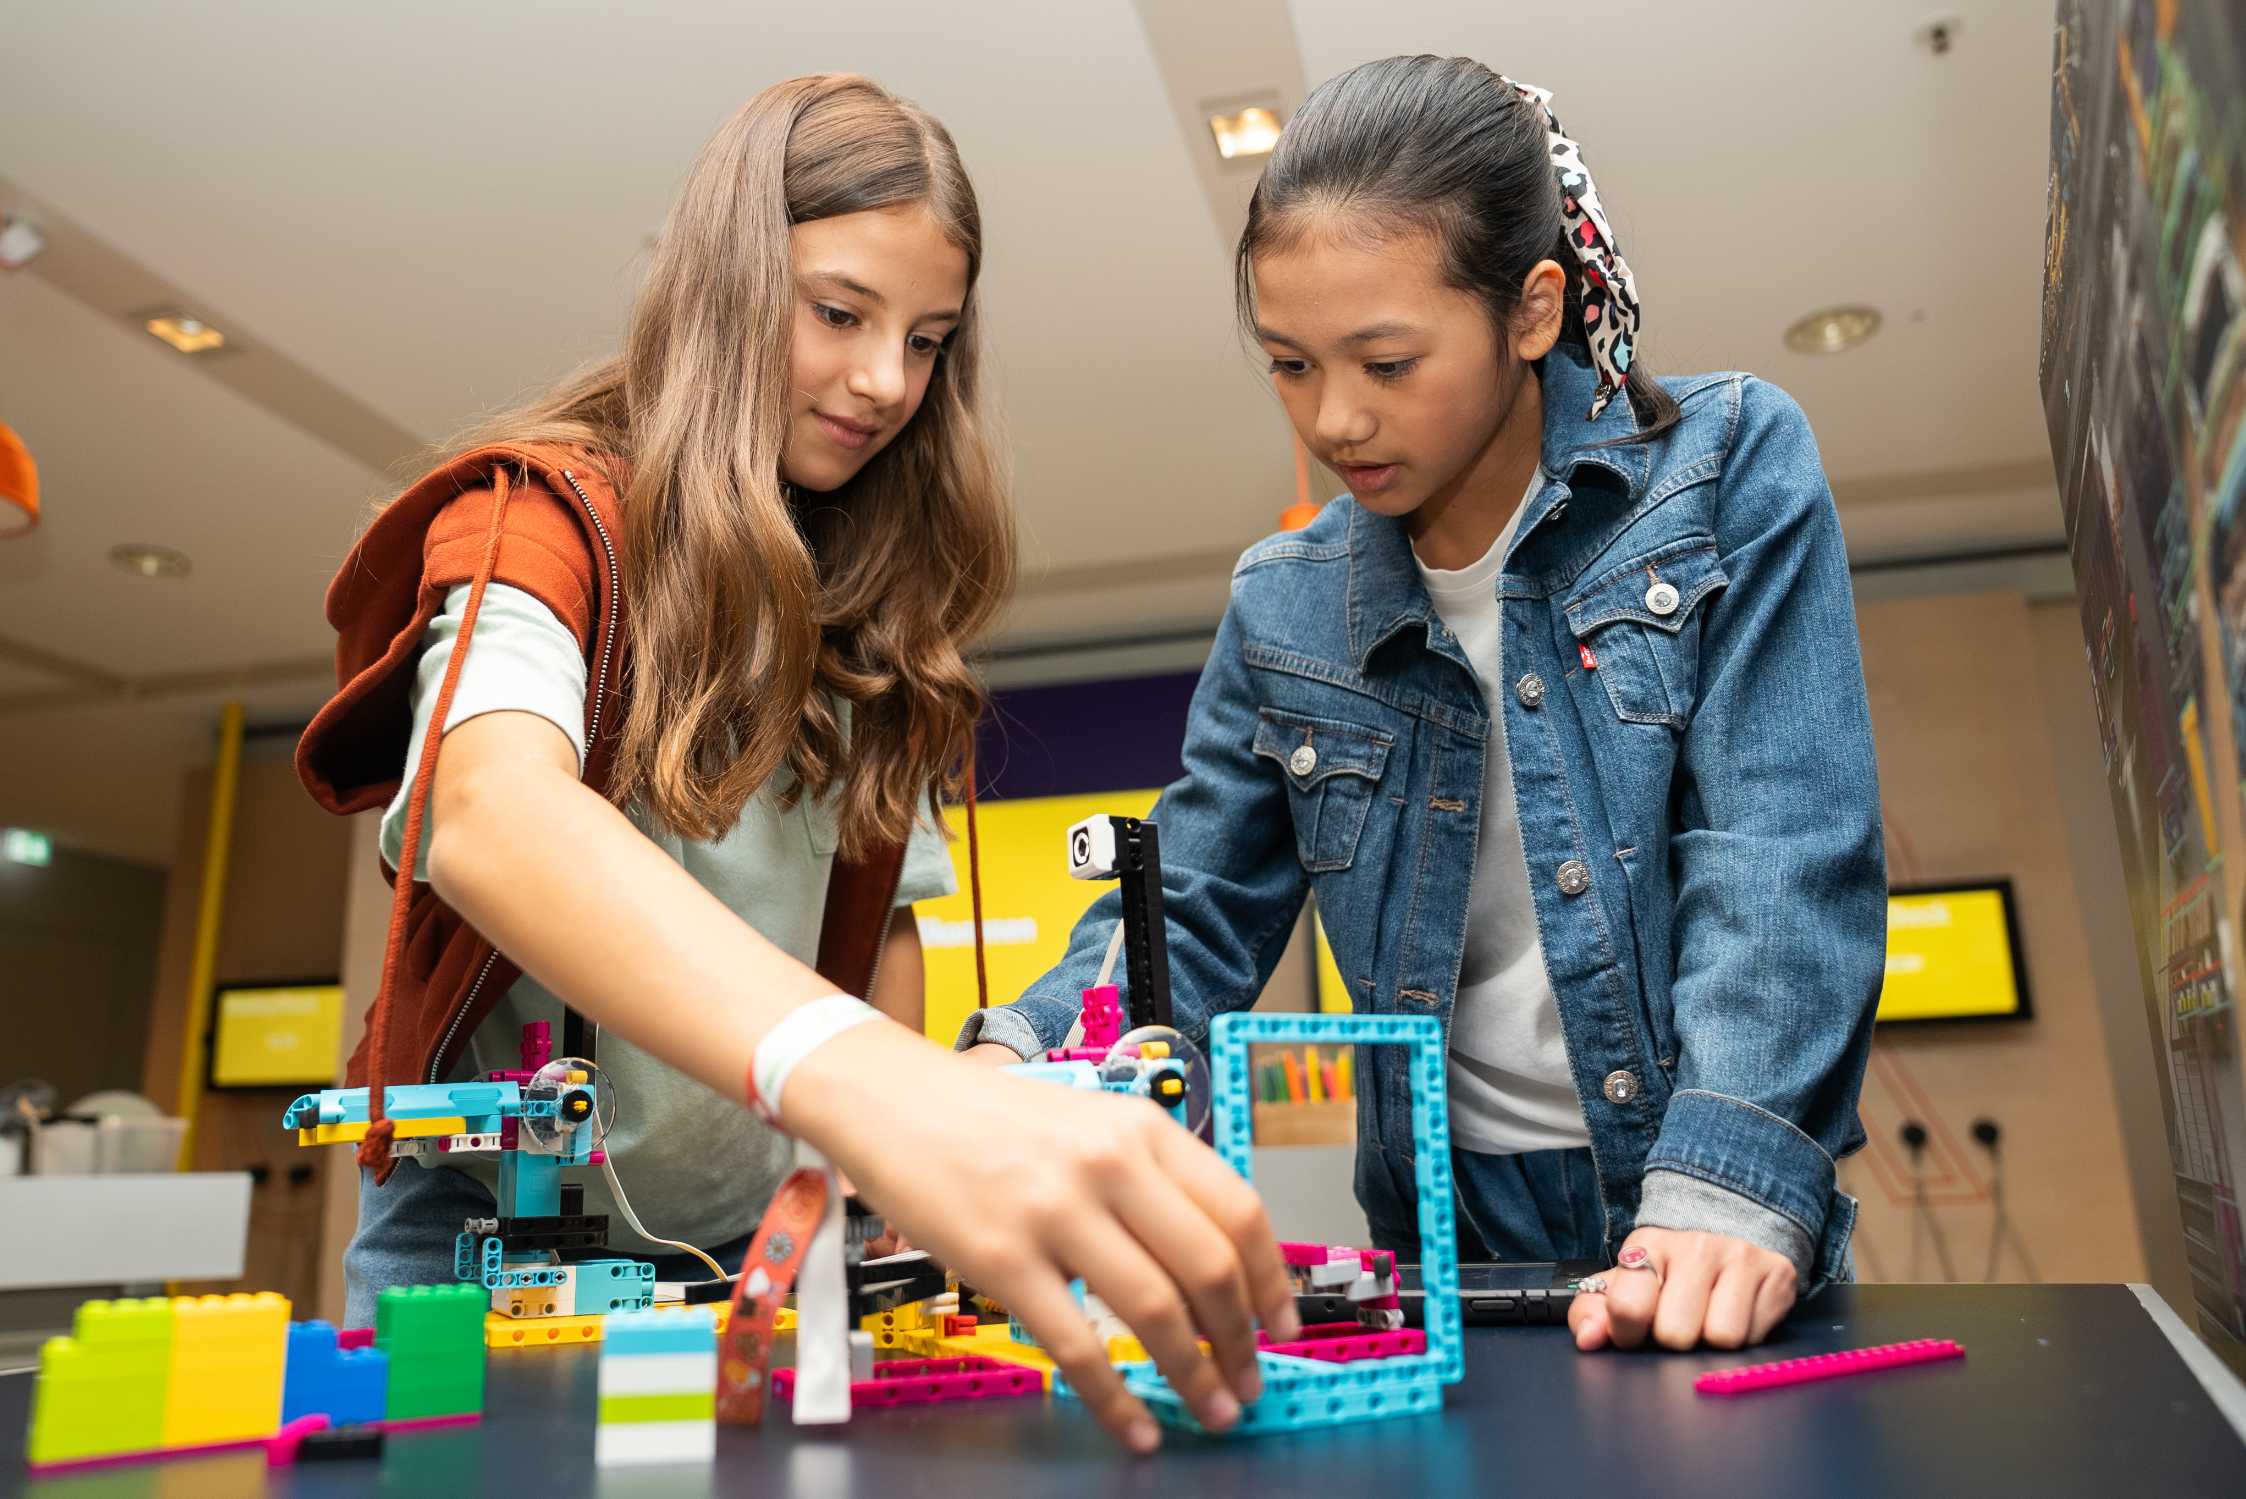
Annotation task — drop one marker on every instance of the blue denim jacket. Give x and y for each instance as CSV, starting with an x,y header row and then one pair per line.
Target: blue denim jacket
x,y
1699,810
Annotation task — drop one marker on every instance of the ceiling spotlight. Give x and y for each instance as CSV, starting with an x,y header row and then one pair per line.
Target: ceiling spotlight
x,y
1832,330
150,561
1249,131
19,242
186,334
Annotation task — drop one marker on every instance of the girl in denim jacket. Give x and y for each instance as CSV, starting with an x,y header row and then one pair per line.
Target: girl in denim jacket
x,y
1560,714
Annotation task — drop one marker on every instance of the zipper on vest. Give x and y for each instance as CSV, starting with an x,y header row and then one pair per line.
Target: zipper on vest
x,y
592,737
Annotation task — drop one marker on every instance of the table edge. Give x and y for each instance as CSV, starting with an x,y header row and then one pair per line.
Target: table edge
x,y
2215,1377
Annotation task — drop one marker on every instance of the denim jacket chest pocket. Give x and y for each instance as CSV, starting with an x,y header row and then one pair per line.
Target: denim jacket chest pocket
x,y
1332,769
1638,632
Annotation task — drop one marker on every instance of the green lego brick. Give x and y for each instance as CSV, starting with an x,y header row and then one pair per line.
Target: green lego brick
x,y
701,1405
103,1390
434,1336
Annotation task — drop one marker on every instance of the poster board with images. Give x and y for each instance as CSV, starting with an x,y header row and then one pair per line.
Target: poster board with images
x,y
2143,378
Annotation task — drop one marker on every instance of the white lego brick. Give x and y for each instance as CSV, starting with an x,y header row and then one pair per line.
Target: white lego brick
x,y
530,1302
1334,1274
861,1356
1366,1287
658,1373
619,1444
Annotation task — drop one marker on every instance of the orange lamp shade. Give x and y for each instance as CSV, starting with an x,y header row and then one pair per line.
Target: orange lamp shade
x,y
19,485
1301,513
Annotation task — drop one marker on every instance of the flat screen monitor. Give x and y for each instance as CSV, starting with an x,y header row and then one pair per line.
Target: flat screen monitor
x,y
1953,953
276,1035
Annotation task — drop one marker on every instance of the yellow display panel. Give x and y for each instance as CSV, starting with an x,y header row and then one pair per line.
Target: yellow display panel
x,y
1029,902
269,1037
1333,994
1951,955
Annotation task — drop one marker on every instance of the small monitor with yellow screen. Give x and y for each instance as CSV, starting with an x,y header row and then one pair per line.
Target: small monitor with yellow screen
x,y
1953,953
276,1035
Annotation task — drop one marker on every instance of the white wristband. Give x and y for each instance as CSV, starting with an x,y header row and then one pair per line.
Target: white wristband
x,y
804,1031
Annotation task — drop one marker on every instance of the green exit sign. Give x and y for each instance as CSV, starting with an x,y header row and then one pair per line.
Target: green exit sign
x,y
24,846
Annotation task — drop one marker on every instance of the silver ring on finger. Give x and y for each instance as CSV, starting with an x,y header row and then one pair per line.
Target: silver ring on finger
x,y
1591,1285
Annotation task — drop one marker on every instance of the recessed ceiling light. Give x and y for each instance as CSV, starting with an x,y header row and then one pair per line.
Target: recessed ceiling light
x,y
1250,131
1831,330
150,562
186,334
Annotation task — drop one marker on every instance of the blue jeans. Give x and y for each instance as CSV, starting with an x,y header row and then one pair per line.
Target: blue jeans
x,y
1540,1205
406,1231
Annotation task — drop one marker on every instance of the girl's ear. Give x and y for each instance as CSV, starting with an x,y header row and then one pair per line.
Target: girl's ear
x,y
1544,298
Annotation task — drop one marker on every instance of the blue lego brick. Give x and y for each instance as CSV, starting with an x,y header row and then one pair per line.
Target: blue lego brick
x,y
1297,1399
518,1277
345,1385
529,1185
483,1105
691,1331
607,1286
1428,1070
465,1263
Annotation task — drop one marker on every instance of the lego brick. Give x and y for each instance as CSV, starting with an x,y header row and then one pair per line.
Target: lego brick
x,y
696,1405
653,1442
501,1331
930,1382
1359,1345
228,1354
103,1390
614,1286
348,1387
658,1373
340,1444
530,1185
405,1129
692,1330
992,1342
1230,1037
1293,1401
434,1336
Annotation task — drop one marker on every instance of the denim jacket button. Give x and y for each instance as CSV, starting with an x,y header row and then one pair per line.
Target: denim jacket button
x,y
1530,690
1662,599
1574,877
1620,1087
1303,761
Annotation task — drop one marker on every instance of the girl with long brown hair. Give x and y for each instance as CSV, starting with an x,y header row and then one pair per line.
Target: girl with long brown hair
x,y
690,631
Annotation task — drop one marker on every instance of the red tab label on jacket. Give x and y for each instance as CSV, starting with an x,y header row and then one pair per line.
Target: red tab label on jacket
x,y
1590,657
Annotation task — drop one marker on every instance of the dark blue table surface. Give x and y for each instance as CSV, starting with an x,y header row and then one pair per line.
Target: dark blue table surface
x,y
2065,1390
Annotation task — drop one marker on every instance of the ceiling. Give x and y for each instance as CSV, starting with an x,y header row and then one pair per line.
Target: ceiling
x,y
407,214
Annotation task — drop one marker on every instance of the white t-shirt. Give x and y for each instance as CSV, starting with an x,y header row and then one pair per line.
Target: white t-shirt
x,y
1510,1086
698,1166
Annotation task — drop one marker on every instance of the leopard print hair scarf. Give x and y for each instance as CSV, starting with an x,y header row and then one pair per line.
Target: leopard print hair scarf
x,y
1610,292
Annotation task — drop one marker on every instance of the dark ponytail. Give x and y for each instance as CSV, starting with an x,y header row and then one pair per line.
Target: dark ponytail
x,y
1443,144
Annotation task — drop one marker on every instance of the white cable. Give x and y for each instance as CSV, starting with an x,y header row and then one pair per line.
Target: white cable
x,y
1114,950
615,1185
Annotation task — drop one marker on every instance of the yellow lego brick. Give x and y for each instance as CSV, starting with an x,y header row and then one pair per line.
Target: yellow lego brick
x,y
228,1354
406,1129
503,1331
783,1320
102,1391
993,1342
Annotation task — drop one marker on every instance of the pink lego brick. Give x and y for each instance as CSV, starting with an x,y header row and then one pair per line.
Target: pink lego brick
x,y
507,1133
280,1448
354,1337
1794,1371
1402,1343
930,1381
1103,1015
597,1158
1302,1256
538,1045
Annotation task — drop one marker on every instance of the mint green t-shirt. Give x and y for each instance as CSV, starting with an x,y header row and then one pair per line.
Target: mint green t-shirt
x,y
698,1167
